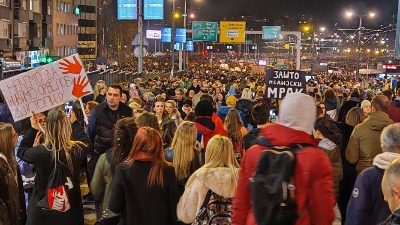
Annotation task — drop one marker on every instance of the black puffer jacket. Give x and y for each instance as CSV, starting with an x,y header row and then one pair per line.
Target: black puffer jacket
x,y
101,125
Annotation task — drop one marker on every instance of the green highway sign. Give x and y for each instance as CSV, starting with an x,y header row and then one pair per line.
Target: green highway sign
x,y
204,31
271,32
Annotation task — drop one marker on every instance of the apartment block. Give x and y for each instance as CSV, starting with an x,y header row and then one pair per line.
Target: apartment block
x,y
6,27
87,31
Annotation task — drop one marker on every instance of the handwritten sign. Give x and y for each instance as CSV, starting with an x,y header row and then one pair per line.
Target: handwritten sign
x,y
46,87
281,82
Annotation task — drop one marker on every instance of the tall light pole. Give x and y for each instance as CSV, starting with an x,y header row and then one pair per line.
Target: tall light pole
x,y
350,14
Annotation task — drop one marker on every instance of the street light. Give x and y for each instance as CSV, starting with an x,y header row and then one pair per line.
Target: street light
x,y
322,29
350,14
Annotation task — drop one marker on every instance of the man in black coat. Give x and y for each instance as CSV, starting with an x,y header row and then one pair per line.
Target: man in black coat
x,y
260,114
102,121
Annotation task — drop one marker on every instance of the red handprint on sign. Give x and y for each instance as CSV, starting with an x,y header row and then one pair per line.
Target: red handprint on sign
x,y
69,67
79,85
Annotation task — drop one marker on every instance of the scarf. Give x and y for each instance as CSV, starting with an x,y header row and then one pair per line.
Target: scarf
x,y
384,160
143,156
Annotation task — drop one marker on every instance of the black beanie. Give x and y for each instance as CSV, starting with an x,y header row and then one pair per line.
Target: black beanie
x,y
204,108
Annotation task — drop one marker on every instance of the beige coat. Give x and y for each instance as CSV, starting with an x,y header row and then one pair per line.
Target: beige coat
x,y
220,180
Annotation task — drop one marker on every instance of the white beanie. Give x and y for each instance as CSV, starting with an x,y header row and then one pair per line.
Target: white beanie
x,y
298,111
365,103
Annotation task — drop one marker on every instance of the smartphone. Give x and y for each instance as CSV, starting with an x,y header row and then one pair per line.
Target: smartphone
x,y
273,113
68,109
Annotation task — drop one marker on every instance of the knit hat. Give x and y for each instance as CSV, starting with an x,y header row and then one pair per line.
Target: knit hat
x,y
365,103
231,100
204,108
298,112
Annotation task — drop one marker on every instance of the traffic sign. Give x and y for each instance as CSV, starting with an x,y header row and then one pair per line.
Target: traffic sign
x,y
271,32
204,31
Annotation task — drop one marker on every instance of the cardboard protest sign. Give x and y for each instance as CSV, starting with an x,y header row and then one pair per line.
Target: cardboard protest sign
x,y
281,82
46,87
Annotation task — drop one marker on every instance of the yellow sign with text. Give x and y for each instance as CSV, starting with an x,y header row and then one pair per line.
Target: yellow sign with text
x,y
232,32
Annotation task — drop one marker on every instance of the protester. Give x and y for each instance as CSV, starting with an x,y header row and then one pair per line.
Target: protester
x,y
331,104
218,175
12,198
313,172
167,124
236,131
354,117
367,205
260,114
204,122
394,112
173,113
364,144
231,103
366,107
57,151
102,121
184,154
124,134
390,189
144,189
354,101
147,119
90,105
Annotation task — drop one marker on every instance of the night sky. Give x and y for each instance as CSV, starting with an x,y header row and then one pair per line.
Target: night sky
x,y
331,11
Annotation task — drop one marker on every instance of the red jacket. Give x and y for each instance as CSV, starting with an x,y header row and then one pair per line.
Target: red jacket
x,y
394,113
313,179
208,134
217,120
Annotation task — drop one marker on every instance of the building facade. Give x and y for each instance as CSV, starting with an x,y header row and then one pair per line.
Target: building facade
x,y
87,31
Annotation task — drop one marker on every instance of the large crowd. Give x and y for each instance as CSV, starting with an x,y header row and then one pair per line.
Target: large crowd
x,y
188,150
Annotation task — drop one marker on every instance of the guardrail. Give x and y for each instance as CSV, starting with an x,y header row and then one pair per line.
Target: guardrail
x,y
10,73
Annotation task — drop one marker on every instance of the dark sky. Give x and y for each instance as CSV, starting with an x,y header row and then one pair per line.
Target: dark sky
x,y
325,10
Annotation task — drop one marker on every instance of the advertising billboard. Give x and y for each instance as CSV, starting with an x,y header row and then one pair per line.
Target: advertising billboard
x,y
153,9
153,34
232,32
127,9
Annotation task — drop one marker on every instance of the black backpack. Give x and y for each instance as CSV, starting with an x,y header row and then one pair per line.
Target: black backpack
x,y
216,210
59,188
273,191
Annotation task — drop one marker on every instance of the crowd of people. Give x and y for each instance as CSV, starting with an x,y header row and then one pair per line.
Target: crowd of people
x,y
166,150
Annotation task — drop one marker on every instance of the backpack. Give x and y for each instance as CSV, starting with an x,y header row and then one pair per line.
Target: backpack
x,y
216,210
58,192
273,193
245,106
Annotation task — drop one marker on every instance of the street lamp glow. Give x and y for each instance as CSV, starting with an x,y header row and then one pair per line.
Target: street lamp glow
x,y
192,15
322,29
349,14
372,14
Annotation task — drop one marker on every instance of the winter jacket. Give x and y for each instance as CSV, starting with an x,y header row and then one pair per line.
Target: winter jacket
x,y
393,219
140,204
12,200
245,106
223,111
333,152
313,179
43,160
394,112
5,114
364,143
101,125
367,205
101,182
220,180
168,128
207,127
250,138
217,120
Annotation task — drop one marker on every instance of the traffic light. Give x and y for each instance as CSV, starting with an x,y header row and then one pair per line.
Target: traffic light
x,y
77,11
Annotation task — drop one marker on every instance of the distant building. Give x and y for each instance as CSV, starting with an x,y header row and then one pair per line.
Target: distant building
x,y
87,31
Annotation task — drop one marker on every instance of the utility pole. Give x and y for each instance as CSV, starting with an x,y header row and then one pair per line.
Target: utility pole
x,y
140,31
173,39
359,50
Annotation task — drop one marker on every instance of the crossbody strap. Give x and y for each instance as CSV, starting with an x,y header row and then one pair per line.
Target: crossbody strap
x,y
207,199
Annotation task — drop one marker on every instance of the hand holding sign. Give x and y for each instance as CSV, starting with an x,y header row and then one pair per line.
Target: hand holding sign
x,y
71,68
79,85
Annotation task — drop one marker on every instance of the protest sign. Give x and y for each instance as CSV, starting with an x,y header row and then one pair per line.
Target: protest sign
x,y
46,87
282,82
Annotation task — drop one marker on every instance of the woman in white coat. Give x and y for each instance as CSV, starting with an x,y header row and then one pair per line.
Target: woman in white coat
x,y
219,174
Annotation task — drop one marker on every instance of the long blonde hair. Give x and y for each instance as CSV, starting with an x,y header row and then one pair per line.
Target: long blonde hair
x,y
7,144
58,137
184,147
97,89
219,153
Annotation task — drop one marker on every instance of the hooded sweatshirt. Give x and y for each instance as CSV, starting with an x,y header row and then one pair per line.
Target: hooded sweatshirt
x,y
220,180
367,205
364,143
